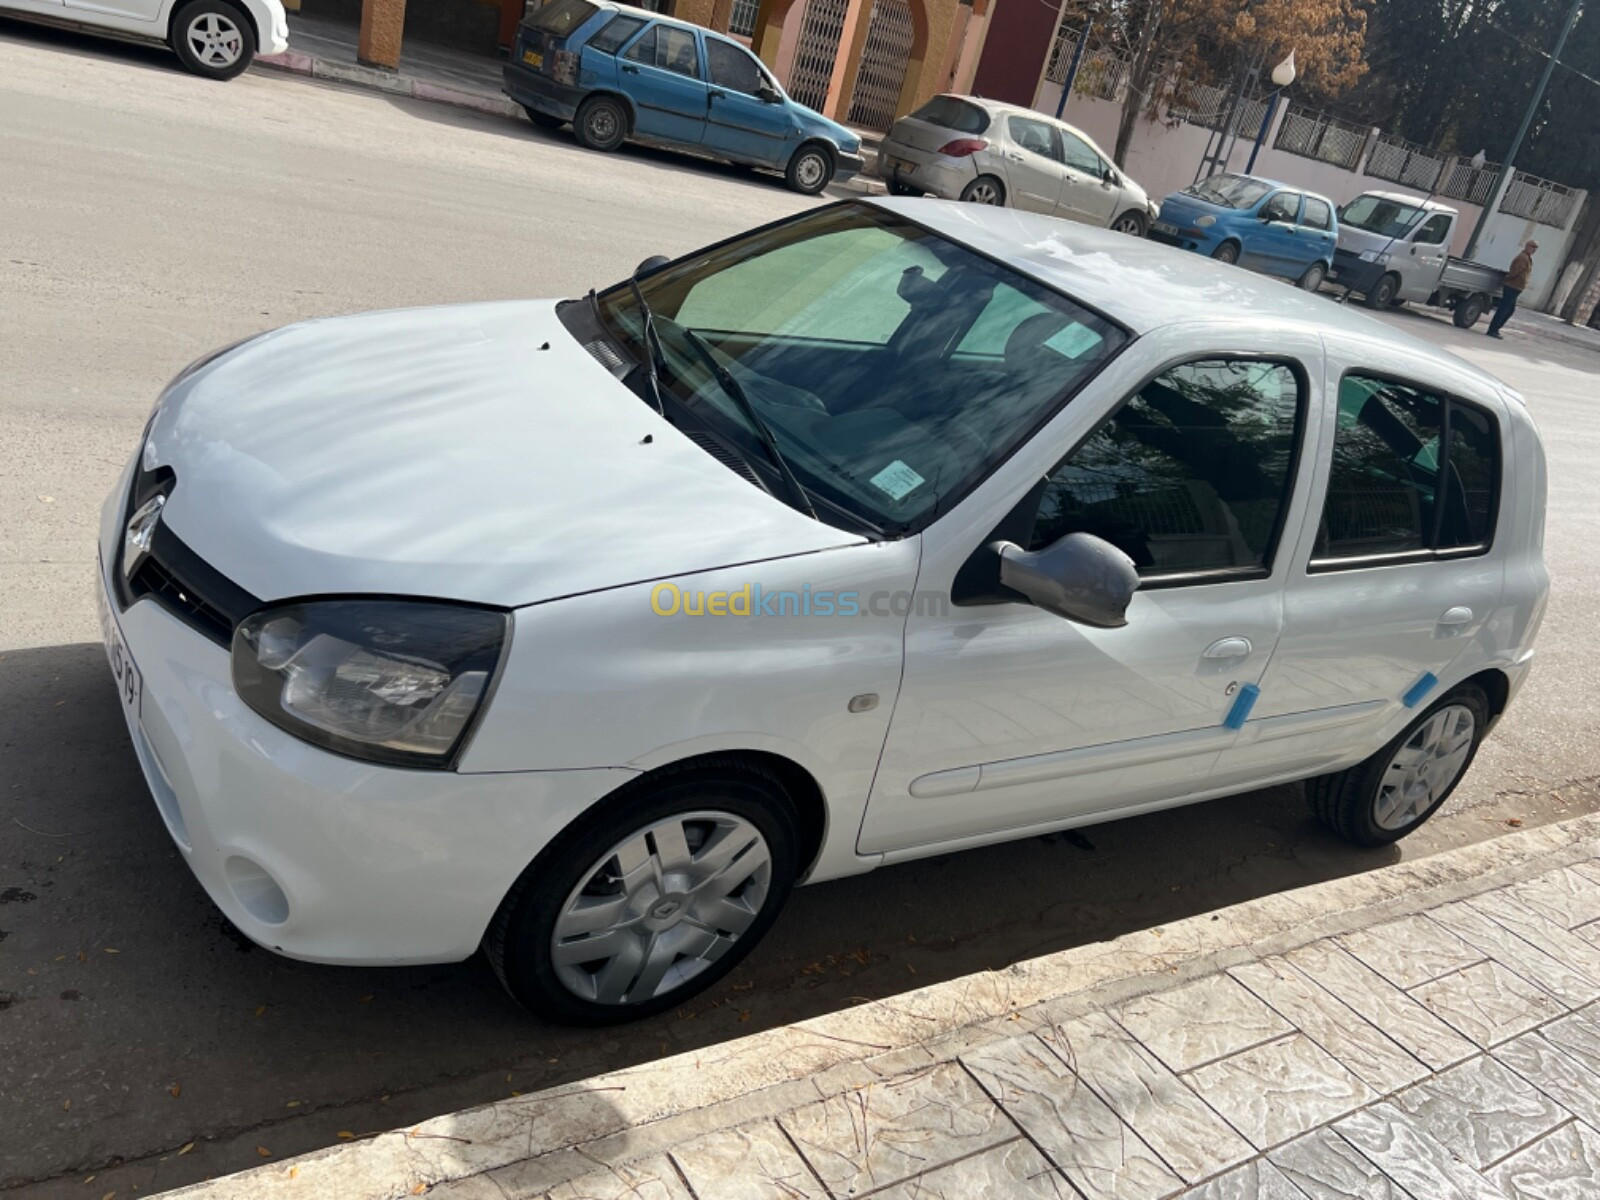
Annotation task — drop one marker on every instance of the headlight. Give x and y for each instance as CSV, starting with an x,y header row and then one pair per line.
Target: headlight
x,y
390,681
1204,222
1373,256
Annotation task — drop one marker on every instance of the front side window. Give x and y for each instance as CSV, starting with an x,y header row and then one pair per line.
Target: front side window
x,y
1191,475
1230,191
1285,206
1434,230
1080,156
1318,215
894,367
1390,491
614,32
732,67
1033,136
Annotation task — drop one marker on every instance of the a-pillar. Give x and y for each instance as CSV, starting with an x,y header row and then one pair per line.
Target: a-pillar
x,y
852,41
383,24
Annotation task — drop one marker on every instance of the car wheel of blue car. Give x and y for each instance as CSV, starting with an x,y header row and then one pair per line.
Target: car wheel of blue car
x,y
1228,252
601,123
1312,279
810,169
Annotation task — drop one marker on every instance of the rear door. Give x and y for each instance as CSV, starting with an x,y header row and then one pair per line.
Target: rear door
x,y
1085,194
1315,232
1034,174
1423,261
661,74
739,123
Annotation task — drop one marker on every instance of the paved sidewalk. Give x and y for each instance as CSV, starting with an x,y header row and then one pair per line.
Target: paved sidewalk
x,y
1543,325
1425,1031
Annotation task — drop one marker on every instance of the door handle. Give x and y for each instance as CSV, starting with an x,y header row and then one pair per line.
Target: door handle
x,y
1015,157
630,70
1228,647
1459,615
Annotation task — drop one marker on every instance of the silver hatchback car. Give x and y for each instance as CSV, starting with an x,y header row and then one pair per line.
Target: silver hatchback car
x,y
965,148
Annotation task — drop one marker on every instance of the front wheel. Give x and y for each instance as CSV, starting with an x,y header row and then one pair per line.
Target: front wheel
x,y
985,189
1383,293
1313,277
212,38
1131,223
1381,800
1228,252
650,898
601,123
809,170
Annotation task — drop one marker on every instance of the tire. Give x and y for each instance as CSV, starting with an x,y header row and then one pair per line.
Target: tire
x,y
726,802
601,123
810,169
543,120
1131,223
1353,803
985,189
896,188
1383,293
1312,279
1468,310
212,38
1228,252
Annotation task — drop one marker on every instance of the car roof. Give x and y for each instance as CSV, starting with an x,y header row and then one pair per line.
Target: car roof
x,y
1143,284
1416,201
635,11
1278,183
1003,108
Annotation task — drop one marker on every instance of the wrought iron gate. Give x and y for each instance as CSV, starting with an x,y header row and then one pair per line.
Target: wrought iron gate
x,y
820,29
883,65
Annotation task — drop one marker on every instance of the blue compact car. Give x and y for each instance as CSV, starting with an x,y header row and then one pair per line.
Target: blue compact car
x,y
1267,226
617,72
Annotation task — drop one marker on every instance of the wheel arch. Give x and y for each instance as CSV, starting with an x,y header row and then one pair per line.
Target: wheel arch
x,y
261,28
1496,684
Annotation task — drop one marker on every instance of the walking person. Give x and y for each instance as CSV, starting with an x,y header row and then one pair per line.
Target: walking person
x,y
1516,280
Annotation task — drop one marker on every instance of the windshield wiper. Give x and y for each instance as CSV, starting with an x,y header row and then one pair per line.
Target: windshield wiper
x,y
732,389
653,356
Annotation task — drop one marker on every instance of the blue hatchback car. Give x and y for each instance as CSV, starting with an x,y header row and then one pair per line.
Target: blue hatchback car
x,y
617,72
1270,227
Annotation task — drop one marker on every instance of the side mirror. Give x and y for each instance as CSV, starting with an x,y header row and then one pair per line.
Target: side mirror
x,y
768,94
650,265
1108,176
1080,577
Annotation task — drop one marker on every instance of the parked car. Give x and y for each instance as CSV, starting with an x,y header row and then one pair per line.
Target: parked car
x,y
1270,227
1394,248
617,72
985,152
583,630
214,38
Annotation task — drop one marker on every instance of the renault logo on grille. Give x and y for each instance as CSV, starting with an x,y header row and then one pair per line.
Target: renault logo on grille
x,y
136,537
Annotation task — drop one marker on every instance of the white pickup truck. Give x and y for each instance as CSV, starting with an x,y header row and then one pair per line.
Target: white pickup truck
x,y
1394,248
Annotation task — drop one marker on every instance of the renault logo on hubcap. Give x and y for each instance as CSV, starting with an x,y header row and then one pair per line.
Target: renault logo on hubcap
x,y
136,537
665,909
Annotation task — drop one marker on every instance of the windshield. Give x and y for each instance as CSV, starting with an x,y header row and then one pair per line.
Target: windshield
x,y
894,368
1231,191
1386,218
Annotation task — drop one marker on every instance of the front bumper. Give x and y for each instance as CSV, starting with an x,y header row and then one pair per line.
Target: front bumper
x,y
1201,241
536,90
847,166
310,854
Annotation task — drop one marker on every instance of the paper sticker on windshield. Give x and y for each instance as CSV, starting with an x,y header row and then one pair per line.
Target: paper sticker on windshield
x,y
897,480
1074,341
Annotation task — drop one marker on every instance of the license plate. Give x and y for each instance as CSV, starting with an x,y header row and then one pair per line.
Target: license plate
x,y
533,58
901,165
1165,227
130,684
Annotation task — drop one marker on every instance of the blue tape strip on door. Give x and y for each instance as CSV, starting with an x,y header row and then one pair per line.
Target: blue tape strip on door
x,y
1242,704
1419,689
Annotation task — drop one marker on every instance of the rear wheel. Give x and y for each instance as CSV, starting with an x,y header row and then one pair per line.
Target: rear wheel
x,y
1402,785
543,120
1313,277
1383,292
985,189
1468,310
212,38
649,899
810,170
1228,252
601,123
1131,223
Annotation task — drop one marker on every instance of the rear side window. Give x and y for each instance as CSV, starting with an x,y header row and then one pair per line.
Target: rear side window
x,y
732,67
668,47
1192,475
1033,136
561,17
614,32
1318,214
950,113
1413,472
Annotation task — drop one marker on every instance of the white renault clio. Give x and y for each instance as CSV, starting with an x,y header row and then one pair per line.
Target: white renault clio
x,y
582,630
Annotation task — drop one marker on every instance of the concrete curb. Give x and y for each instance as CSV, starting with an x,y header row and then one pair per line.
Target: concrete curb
x,y
389,82
532,1143
1558,331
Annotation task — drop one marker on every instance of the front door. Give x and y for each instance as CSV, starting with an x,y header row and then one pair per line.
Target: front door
x,y
739,123
1273,246
661,75
1423,261
1010,718
1401,578
1033,168
1085,195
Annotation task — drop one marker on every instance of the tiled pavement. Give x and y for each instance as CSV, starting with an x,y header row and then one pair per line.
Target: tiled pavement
x,y
1452,1054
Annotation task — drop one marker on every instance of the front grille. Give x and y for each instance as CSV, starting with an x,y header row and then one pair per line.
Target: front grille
x,y
155,580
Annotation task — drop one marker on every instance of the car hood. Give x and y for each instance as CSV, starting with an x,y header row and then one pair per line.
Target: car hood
x,y
814,124
475,453
1180,207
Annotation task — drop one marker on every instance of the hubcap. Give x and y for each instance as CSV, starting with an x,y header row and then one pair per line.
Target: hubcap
x,y
602,125
984,193
809,171
1425,767
215,40
1126,225
661,907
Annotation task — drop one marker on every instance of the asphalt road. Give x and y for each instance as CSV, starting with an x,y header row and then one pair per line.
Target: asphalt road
x,y
145,217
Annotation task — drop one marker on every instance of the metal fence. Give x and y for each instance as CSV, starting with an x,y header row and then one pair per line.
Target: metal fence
x,y
1101,74
820,30
1208,107
1543,200
742,20
1462,181
1405,162
1317,135
882,70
